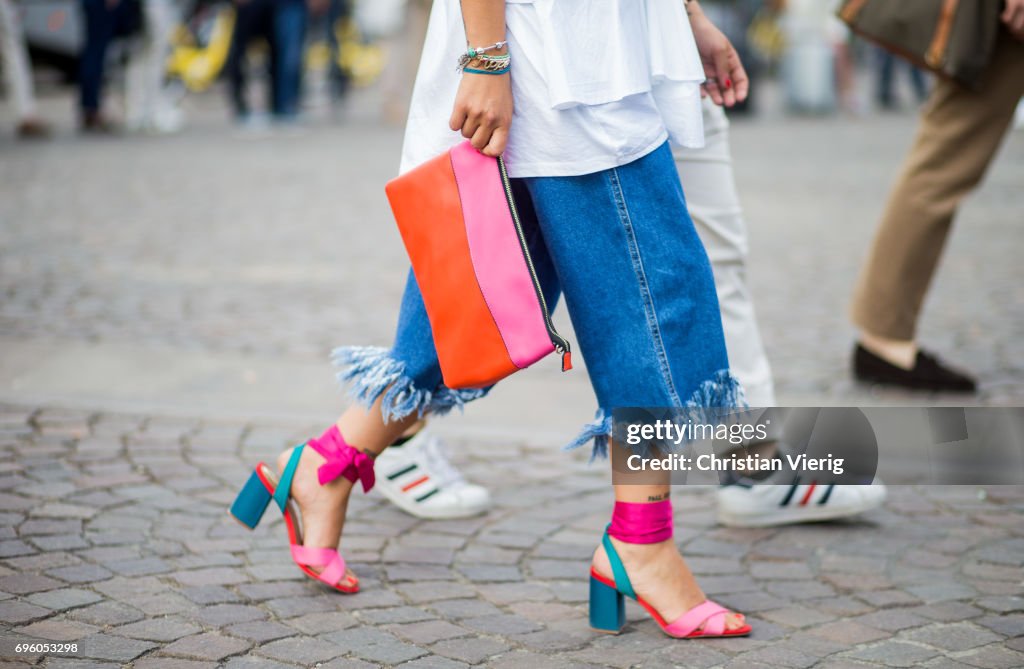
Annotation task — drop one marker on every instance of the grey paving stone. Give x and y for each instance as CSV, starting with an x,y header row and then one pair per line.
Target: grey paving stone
x,y
84,573
940,592
107,613
491,573
953,637
157,629
796,616
59,542
526,659
288,607
1009,625
501,624
433,662
947,611
22,584
139,566
778,656
13,547
109,647
255,662
306,652
375,645
895,653
262,591
210,594
994,656
219,615
36,527
64,598
79,663
56,629
434,591
154,662
318,623
207,646
850,633
260,631
429,631
891,619
21,612
211,576
1002,604
400,614
472,650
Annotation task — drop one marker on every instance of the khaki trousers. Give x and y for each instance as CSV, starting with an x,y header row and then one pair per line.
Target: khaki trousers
x,y
960,132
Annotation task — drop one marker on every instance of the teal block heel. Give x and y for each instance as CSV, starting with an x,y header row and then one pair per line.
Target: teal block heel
x,y
251,502
607,608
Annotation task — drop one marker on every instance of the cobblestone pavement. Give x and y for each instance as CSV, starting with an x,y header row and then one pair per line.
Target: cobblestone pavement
x,y
113,536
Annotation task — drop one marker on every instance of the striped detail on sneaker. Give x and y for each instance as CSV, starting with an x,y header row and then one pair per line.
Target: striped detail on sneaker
x,y
412,471
412,484
805,499
402,471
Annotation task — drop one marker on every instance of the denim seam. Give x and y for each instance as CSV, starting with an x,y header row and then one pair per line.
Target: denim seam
x,y
641,276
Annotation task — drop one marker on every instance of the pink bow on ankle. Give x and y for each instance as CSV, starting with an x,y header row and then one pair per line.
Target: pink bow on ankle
x,y
342,460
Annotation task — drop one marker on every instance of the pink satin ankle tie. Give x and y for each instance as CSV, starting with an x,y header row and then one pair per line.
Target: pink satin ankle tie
x,y
642,523
342,460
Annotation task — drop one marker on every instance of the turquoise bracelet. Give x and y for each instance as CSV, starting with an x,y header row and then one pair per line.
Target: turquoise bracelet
x,y
473,70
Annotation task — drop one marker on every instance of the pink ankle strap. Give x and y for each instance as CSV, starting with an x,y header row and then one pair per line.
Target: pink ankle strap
x,y
642,523
342,460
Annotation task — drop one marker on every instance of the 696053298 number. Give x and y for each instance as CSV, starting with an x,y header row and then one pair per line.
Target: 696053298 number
x,y
46,648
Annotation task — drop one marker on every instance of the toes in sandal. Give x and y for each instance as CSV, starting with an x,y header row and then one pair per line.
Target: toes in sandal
x,y
263,485
608,607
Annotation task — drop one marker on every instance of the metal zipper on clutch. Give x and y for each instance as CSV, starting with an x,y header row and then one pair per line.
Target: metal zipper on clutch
x,y
560,343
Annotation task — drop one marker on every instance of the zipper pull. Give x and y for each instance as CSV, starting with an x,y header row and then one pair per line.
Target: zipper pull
x,y
566,360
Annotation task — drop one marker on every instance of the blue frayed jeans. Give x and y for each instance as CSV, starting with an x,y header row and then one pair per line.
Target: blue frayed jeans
x,y
620,247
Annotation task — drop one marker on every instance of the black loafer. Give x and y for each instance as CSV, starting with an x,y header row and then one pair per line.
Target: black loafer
x,y
928,373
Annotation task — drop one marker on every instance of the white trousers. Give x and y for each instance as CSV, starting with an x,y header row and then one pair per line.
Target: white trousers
x,y
14,57
714,205
147,69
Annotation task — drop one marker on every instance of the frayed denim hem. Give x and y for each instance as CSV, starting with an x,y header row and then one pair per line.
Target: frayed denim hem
x,y
717,397
371,371
713,400
600,430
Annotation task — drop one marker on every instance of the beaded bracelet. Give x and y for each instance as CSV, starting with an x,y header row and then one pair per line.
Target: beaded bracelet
x,y
480,54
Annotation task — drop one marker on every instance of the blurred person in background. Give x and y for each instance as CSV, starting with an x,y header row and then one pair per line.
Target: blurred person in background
x,y
960,132
104,20
253,19
289,28
149,107
818,63
887,66
18,75
338,80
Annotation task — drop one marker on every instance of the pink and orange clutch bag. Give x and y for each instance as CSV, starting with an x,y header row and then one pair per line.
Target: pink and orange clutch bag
x,y
459,223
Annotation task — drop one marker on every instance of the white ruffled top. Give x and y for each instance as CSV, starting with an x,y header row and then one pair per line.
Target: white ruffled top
x,y
596,84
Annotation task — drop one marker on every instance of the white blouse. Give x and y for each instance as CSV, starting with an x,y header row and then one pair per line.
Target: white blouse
x,y
595,83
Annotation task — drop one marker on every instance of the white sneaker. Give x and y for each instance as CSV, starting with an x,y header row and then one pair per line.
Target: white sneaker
x,y
418,479
768,505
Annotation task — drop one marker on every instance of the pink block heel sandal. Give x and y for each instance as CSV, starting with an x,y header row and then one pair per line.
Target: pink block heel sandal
x,y
263,485
645,524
